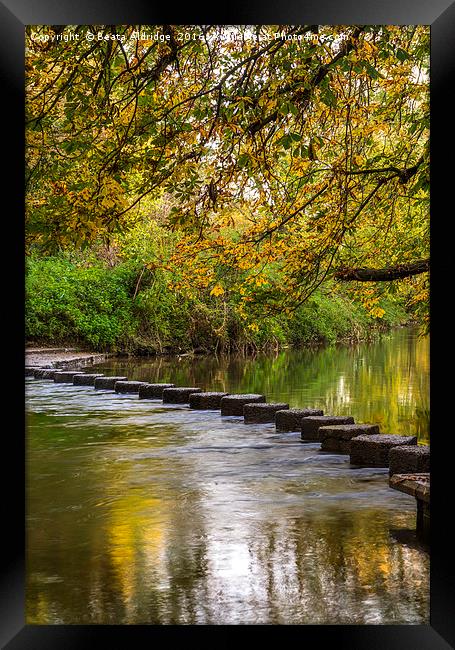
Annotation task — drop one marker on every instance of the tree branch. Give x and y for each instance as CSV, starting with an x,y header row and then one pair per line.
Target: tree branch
x,y
305,95
403,174
385,274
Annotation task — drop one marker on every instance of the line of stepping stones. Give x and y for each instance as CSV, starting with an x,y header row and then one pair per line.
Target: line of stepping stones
x,y
408,463
363,443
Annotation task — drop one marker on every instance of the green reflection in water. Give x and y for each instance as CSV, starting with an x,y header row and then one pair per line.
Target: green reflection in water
x,y
138,514
384,382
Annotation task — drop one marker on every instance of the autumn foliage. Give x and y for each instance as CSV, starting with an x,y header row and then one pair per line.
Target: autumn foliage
x,y
279,157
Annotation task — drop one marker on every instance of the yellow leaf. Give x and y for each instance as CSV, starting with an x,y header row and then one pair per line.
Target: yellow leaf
x,y
377,312
217,290
107,203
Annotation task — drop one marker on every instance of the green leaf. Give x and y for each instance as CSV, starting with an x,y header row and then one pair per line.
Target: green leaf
x,y
402,55
329,98
288,107
143,100
243,160
285,141
372,72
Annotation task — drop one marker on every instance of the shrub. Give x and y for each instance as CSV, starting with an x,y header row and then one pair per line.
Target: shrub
x,y
107,309
91,306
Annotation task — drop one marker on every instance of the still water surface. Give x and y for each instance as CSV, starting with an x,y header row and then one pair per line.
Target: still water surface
x,y
145,513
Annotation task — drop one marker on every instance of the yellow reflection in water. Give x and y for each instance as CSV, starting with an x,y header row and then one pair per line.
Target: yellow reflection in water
x,y
135,535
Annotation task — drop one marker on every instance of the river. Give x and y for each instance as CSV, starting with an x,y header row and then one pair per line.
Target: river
x,y
139,512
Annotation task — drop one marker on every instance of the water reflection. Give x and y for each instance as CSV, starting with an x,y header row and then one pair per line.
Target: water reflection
x,y
385,381
139,513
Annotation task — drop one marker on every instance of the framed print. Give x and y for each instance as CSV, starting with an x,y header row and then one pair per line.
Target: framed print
x,y
223,217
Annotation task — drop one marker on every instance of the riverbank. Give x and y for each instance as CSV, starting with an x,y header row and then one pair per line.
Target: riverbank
x,y
62,357
109,310
70,357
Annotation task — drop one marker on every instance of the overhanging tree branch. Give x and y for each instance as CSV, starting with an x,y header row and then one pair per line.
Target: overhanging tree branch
x,y
403,174
385,274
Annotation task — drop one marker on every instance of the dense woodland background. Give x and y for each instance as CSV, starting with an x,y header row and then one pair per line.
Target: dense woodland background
x,y
219,188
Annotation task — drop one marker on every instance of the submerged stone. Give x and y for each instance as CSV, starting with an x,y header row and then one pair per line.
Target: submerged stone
x,y
409,459
179,395
233,404
206,401
65,376
44,373
262,412
312,423
373,451
128,386
338,437
30,370
86,379
107,382
291,419
153,391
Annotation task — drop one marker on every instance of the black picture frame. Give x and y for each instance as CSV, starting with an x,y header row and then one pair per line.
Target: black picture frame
x,y
14,15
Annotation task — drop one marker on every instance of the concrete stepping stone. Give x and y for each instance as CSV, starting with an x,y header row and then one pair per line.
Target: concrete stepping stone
x,y
65,376
418,486
233,404
153,391
312,423
409,459
107,382
291,419
373,451
338,437
44,373
128,386
86,379
206,401
179,395
262,412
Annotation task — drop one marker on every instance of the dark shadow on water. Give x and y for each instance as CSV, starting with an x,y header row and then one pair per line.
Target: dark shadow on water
x,y
408,537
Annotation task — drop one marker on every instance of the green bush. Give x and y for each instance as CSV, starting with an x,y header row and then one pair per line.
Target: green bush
x,y
326,319
90,306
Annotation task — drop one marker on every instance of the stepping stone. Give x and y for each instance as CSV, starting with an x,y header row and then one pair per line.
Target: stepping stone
x,y
30,370
206,401
128,386
153,391
44,373
233,404
291,419
179,395
409,459
85,380
107,382
418,486
373,451
65,376
312,423
338,437
262,412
